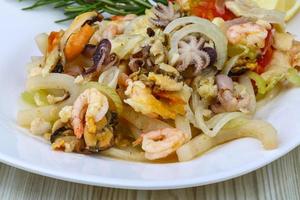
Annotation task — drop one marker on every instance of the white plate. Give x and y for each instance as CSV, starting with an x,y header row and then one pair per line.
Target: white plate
x,y
20,150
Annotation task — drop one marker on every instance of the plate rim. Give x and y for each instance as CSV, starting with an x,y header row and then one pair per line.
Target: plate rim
x,y
147,185
142,184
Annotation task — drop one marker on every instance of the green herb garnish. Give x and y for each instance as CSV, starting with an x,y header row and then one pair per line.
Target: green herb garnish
x,y
72,8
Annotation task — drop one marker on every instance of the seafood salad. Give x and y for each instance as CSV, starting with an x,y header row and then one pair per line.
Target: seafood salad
x,y
164,86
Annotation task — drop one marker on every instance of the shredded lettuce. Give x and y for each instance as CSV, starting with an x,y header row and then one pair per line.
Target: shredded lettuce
x,y
268,97
236,52
264,86
28,97
259,82
293,77
275,72
35,98
271,83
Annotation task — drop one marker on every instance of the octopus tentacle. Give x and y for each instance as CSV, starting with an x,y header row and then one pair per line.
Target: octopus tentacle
x,y
202,61
185,63
193,54
140,59
201,43
164,14
160,14
183,45
159,23
228,101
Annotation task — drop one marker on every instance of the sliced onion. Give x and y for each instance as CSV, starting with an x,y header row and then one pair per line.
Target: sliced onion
x,y
134,131
48,113
214,125
143,122
246,82
222,118
36,62
183,124
110,77
202,26
125,154
42,42
52,81
258,129
230,64
180,22
124,45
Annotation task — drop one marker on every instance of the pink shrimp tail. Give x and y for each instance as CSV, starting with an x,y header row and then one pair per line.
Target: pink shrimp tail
x,y
78,128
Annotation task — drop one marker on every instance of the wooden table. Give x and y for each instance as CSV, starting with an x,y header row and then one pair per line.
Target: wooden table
x,y
277,181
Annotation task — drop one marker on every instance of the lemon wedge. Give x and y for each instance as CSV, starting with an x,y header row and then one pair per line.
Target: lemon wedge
x,y
290,7
292,12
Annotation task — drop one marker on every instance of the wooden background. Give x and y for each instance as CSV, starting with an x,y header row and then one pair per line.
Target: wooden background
x,y
278,181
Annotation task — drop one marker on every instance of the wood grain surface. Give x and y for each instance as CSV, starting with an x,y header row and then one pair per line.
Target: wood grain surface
x,y
278,181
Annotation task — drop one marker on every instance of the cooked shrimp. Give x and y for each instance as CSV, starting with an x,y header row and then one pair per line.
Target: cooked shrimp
x,y
94,106
123,18
161,143
250,34
117,26
110,31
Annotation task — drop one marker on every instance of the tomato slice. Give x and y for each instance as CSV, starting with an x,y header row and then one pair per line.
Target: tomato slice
x,y
264,61
207,9
267,54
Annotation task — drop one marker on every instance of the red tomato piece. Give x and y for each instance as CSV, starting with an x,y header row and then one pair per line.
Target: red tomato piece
x,y
264,61
207,9
267,54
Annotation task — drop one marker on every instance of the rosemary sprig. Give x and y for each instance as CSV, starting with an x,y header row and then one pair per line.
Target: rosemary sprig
x,y
72,8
